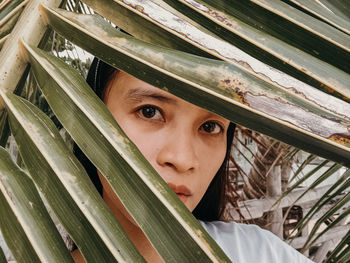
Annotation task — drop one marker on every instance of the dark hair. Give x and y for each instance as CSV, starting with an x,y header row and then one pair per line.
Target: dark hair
x,y
210,207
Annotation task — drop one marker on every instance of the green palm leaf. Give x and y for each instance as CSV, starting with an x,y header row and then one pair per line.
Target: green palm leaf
x,y
25,223
324,14
220,58
292,59
74,199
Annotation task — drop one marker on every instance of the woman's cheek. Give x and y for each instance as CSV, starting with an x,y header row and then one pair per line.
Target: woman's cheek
x,y
146,142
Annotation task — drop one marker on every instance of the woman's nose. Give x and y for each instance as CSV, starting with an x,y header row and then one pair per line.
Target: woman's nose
x,y
179,153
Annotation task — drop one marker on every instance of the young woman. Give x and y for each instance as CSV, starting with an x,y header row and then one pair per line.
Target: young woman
x,y
189,147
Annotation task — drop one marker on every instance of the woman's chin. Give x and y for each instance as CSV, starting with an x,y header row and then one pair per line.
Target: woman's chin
x,y
183,198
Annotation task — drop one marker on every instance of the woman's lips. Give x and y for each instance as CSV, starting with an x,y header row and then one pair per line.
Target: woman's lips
x,y
181,191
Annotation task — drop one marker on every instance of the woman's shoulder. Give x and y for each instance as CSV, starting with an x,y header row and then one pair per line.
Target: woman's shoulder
x,y
249,243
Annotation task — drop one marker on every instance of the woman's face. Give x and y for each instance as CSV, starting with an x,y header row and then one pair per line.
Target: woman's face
x,y
185,144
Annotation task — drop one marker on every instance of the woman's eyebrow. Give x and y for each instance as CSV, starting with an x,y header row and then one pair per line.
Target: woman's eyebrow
x,y
139,94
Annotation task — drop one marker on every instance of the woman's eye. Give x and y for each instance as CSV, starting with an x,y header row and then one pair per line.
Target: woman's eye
x,y
211,127
150,112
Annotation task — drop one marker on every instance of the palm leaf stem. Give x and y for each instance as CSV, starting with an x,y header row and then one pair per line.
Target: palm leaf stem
x,y
30,28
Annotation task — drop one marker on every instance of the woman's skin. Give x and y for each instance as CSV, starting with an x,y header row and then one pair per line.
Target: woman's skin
x,y
185,144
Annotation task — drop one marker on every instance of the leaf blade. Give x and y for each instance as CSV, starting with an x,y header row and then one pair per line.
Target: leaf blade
x,y
22,197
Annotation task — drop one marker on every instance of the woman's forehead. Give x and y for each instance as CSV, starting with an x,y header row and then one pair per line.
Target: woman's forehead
x,y
127,85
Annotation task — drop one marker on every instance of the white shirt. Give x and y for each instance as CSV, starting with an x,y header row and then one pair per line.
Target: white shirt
x,y
251,244
241,243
